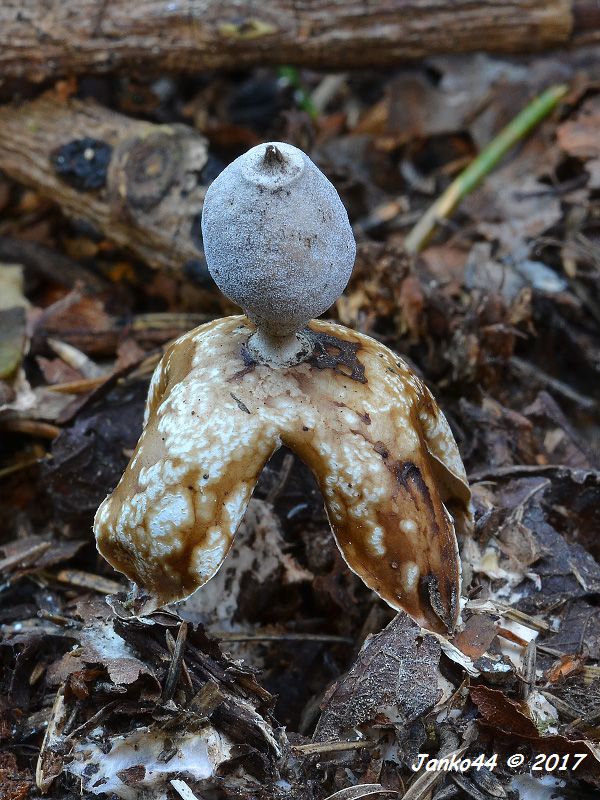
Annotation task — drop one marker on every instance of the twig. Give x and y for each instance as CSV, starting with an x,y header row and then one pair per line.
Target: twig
x,y
591,672
529,370
30,462
93,721
177,662
522,618
183,790
76,359
53,733
24,557
259,636
56,619
176,321
361,791
492,474
561,706
511,637
528,671
77,387
87,580
330,747
31,427
47,263
585,722
483,164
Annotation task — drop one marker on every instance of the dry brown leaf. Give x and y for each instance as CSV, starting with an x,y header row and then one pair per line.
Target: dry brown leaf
x,y
394,680
503,713
565,666
477,635
578,136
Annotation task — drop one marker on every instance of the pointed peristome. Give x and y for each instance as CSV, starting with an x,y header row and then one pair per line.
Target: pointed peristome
x,y
273,157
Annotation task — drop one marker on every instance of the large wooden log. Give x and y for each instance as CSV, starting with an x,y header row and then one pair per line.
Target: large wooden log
x,y
141,184
41,39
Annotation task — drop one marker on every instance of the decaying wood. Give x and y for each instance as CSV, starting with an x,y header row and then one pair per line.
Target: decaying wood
x,y
40,40
586,22
138,183
44,262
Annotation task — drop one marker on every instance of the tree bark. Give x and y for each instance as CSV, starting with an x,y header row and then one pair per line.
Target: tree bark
x,y
142,185
41,39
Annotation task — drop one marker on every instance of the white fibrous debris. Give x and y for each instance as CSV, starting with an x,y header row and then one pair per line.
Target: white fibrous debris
x,y
456,655
134,768
258,552
544,787
488,562
183,790
512,650
102,638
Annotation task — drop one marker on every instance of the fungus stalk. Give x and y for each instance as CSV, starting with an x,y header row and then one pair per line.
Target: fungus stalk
x,y
268,348
227,394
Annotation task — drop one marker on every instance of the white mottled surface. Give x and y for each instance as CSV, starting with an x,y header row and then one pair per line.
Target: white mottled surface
x,y
385,463
197,757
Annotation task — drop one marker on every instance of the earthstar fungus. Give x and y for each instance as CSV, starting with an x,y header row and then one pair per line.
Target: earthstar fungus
x,y
228,394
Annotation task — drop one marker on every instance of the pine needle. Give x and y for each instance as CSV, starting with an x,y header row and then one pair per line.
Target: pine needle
x,y
483,164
